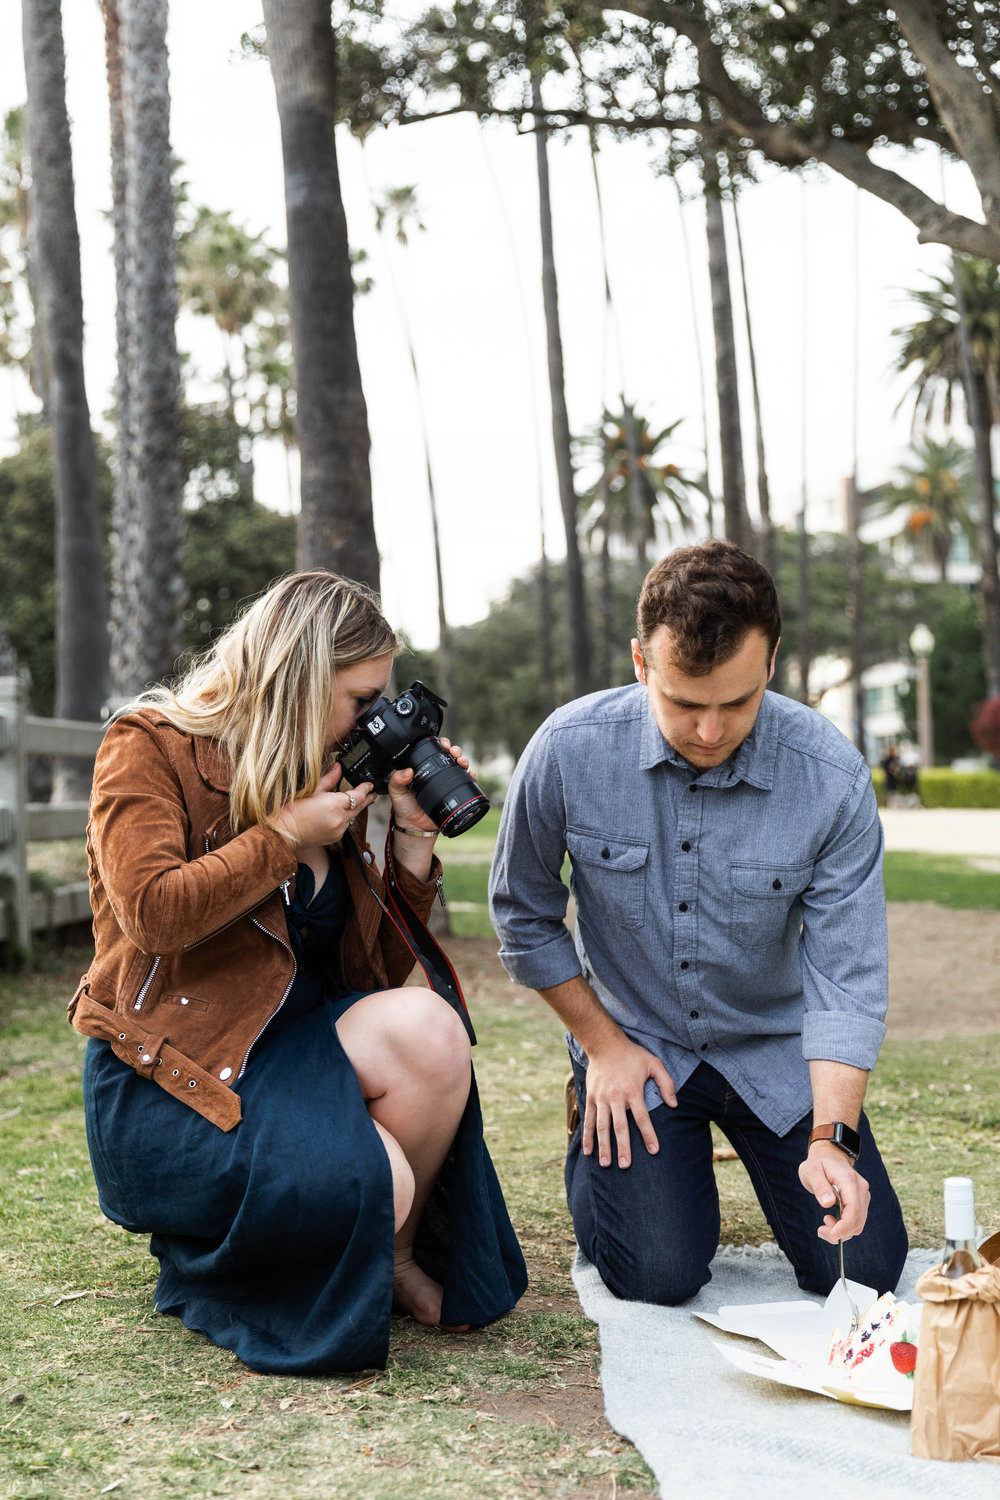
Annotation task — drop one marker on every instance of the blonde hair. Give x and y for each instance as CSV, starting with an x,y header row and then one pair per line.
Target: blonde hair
x,y
265,689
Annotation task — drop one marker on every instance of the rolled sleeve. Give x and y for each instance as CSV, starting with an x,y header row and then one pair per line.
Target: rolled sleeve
x,y
845,953
527,895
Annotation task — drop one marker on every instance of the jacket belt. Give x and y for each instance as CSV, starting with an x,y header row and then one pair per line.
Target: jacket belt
x,y
152,1057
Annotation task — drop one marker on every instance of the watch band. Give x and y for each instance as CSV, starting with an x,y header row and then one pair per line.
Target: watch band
x,y
841,1135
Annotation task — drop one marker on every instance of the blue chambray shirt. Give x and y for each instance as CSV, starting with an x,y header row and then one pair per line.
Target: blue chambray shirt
x,y
734,916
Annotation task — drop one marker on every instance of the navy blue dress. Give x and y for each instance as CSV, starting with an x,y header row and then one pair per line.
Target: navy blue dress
x,y
275,1239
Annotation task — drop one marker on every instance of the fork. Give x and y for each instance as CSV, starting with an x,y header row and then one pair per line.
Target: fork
x,y
855,1314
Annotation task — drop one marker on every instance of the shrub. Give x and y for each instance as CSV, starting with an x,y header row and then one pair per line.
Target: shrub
x,y
942,787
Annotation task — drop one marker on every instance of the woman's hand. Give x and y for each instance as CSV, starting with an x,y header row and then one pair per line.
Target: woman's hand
x,y
324,817
406,810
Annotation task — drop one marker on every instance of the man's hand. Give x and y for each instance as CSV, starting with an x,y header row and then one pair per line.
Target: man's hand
x,y
616,1077
825,1168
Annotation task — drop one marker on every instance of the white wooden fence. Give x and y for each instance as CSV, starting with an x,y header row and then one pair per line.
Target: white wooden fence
x,y
22,911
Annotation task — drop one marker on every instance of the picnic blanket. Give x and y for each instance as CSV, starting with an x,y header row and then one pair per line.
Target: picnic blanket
x,y
711,1431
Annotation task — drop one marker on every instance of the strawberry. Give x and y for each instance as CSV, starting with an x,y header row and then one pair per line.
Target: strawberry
x,y
903,1356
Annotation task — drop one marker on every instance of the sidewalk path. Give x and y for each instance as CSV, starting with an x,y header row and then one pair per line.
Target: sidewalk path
x,y
943,830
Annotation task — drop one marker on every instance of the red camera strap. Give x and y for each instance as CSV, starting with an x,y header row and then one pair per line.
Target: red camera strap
x,y
440,975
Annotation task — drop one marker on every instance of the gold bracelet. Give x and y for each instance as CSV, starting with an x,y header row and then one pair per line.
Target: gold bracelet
x,y
417,833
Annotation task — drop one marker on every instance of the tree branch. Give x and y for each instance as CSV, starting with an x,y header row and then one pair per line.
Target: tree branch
x,y
966,109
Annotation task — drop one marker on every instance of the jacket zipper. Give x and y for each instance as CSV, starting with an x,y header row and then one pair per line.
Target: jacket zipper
x,y
146,983
295,969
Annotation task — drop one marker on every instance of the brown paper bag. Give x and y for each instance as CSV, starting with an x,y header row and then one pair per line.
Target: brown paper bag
x,y
956,1387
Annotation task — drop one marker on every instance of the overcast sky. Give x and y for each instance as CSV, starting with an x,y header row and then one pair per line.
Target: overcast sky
x,y
471,284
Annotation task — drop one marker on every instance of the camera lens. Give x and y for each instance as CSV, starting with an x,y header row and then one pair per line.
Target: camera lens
x,y
446,792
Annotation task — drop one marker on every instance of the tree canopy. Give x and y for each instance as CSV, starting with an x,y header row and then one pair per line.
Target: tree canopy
x,y
792,81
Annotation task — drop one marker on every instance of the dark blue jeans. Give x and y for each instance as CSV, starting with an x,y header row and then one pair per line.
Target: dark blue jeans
x,y
651,1229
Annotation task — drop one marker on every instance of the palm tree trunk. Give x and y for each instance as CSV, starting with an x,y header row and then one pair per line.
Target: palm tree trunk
x,y
149,598
805,607
767,547
336,528
980,411
579,633
855,611
734,500
81,621
125,544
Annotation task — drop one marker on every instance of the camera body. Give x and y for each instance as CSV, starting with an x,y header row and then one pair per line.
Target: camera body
x,y
401,733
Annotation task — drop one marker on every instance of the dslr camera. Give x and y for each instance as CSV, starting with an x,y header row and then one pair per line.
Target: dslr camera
x,y
394,736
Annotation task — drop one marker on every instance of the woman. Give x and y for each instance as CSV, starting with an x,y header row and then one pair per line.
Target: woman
x,y
300,1136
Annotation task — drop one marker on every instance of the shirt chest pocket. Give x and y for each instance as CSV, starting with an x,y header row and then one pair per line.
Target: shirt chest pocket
x,y
762,900
609,875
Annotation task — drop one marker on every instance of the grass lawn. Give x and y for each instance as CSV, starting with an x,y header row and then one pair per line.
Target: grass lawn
x,y
99,1394
950,880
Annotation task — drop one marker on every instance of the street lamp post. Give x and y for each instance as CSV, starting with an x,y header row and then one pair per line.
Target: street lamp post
x,y
922,644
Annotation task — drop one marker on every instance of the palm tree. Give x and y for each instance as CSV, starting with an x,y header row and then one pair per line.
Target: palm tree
x,y
956,344
148,581
337,528
81,623
399,207
579,631
618,507
224,273
937,491
734,500
19,346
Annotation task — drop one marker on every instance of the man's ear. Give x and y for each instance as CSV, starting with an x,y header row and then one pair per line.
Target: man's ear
x,y
774,653
638,663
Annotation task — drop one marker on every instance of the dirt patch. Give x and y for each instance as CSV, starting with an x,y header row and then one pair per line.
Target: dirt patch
x,y
943,968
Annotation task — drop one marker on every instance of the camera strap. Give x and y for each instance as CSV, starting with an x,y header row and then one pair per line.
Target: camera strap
x,y
440,975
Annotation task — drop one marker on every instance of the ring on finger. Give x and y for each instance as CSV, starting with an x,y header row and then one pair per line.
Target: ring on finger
x,y
352,801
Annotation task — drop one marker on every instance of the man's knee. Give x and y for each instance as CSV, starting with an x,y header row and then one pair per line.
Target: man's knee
x,y
652,1278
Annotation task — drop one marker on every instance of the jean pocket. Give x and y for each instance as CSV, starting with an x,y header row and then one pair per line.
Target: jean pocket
x,y
609,875
765,901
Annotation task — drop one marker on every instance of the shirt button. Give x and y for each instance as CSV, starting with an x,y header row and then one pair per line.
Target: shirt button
x,y
605,853
686,846
776,885
226,1073
685,964
683,906
692,787
368,856
704,1047
185,1000
695,1014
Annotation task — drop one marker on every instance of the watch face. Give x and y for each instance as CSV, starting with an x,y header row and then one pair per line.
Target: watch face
x,y
849,1139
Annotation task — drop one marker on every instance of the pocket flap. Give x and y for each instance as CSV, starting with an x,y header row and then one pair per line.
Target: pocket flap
x,y
606,853
771,880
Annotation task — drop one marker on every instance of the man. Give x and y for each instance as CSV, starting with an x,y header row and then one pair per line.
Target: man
x,y
730,954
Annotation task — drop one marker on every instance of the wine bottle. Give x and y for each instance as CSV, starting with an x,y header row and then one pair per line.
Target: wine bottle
x,y
960,1253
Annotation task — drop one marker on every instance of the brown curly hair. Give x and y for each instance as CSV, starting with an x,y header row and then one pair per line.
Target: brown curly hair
x,y
708,597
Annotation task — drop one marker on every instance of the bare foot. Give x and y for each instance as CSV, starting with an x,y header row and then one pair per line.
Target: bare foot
x,y
415,1293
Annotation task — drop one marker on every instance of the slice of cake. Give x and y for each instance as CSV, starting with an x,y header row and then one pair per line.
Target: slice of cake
x,y
864,1358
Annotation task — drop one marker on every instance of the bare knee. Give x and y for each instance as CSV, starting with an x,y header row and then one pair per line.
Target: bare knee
x,y
428,1036
403,1182
407,1034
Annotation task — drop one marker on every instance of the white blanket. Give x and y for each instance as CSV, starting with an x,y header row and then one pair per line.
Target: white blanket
x,y
711,1432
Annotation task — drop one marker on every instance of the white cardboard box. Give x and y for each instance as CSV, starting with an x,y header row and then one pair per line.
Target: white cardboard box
x,y
799,1333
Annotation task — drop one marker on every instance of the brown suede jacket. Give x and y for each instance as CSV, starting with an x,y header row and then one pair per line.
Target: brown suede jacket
x,y
191,949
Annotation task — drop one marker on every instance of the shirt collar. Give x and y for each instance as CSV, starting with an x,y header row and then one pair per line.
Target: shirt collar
x,y
753,761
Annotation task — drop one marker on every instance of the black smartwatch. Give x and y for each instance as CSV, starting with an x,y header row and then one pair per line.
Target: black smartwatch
x,y
841,1135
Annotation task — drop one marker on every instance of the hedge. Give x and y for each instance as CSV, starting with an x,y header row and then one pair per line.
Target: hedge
x,y
942,787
